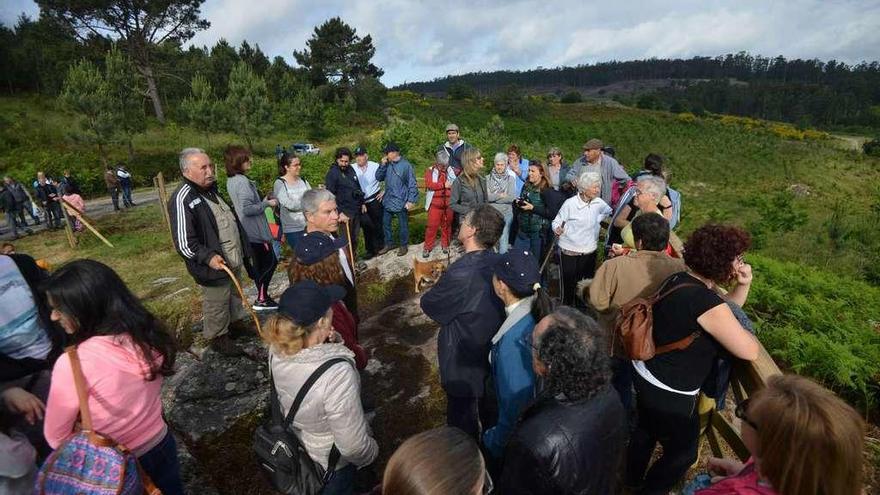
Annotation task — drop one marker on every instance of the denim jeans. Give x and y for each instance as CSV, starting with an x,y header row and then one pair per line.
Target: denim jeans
x,y
342,483
504,241
529,242
162,466
403,220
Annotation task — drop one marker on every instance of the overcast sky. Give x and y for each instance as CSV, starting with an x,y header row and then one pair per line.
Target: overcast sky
x,y
419,40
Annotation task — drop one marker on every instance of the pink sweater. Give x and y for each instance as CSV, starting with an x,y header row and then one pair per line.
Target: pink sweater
x,y
124,406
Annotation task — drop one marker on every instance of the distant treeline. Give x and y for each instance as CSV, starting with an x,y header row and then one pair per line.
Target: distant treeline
x,y
805,92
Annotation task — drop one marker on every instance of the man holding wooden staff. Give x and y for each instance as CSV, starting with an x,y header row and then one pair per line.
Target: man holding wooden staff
x,y
207,235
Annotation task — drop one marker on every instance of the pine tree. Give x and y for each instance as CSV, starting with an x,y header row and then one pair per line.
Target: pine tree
x,y
85,93
124,97
247,109
200,108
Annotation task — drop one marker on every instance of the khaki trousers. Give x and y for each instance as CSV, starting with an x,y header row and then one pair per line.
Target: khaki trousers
x,y
221,304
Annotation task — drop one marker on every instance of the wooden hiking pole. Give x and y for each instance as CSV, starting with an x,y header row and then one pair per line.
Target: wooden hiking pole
x,y
350,250
82,218
244,300
549,253
71,239
159,182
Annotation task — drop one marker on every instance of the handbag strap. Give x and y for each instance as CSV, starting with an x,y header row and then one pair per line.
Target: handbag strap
x,y
297,402
82,392
680,343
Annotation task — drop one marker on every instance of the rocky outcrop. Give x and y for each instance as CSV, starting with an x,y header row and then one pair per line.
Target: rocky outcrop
x,y
214,403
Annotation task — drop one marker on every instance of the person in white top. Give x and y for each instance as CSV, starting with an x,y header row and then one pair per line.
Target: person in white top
x,y
374,238
577,225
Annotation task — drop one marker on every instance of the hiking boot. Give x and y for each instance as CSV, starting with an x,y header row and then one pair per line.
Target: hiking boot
x,y
223,345
368,256
267,304
383,250
426,254
402,250
445,250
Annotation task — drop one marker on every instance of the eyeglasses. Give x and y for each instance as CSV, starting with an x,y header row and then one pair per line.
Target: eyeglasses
x,y
740,412
488,486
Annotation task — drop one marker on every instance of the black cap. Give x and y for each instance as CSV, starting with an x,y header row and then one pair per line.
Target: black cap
x,y
519,270
391,146
360,150
315,246
305,302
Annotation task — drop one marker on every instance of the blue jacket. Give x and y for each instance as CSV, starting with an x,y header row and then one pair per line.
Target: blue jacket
x,y
514,381
400,184
469,314
522,176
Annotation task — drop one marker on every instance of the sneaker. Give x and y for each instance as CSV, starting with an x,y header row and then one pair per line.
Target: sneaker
x,y
383,250
223,345
426,254
445,250
403,250
265,305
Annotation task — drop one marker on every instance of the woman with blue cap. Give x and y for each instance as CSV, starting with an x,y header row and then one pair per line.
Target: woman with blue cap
x,y
517,282
330,421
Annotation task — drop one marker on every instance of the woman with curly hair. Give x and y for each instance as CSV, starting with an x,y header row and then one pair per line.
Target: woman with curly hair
x,y
692,316
571,439
794,415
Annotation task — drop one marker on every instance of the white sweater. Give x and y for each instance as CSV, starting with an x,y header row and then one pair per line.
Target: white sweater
x,y
331,411
581,221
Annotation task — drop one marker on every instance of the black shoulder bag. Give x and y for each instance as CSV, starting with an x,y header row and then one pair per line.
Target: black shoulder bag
x,y
280,453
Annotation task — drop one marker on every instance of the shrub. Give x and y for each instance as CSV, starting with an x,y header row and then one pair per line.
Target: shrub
x,y
872,147
572,97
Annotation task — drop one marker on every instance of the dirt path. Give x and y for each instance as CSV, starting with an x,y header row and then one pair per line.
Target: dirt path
x,y
95,208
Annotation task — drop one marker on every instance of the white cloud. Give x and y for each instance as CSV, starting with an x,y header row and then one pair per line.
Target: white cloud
x,y
420,39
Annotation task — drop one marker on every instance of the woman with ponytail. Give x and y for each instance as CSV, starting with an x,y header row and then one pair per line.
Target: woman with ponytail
x,y
301,338
517,282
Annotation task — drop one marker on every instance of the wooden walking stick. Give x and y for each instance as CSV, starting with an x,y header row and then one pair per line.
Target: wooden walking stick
x,y
244,300
350,250
549,253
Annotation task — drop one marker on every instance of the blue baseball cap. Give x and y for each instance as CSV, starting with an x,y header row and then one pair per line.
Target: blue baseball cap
x,y
305,302
519,270
315,246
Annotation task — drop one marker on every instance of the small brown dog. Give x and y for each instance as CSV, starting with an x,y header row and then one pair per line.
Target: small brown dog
x,y
426,273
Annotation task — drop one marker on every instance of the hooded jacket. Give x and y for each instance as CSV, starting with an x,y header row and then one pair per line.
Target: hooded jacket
x,y
194,231
331,411
124,405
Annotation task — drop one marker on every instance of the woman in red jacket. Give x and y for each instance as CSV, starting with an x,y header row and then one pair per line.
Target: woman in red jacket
x,y
438,182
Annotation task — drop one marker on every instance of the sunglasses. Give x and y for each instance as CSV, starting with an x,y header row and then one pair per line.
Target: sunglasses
x,y
740,412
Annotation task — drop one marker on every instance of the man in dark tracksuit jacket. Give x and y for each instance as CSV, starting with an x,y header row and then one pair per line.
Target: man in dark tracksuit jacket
x,y
465,305
207,235
342,181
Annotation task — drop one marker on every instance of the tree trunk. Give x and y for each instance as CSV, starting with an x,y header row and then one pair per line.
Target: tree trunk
x,y
153,91
103,155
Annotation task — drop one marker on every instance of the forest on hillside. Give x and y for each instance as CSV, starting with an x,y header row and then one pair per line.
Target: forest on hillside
x,y
804,92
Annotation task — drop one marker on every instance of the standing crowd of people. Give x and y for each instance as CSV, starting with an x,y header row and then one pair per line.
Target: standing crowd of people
x,y
541,397
48,195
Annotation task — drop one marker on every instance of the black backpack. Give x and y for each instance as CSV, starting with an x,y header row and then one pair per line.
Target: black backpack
x,y
280,453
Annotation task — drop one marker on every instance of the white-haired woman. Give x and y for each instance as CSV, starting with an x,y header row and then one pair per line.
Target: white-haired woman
x,y
647,195
501,186
577,225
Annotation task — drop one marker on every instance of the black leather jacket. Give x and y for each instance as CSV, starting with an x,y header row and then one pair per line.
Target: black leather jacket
x,y
561,447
